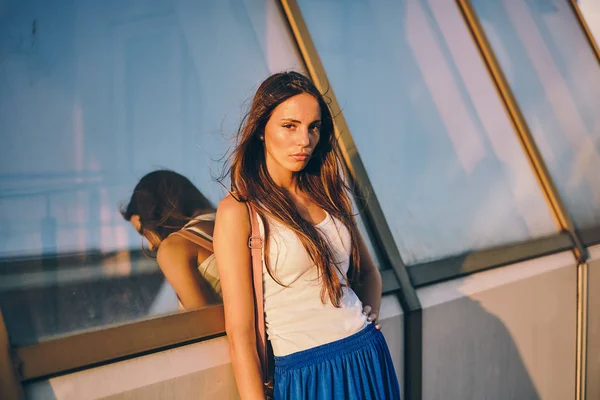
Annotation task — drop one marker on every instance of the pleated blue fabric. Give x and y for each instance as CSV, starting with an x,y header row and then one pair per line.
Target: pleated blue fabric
x,y
358,367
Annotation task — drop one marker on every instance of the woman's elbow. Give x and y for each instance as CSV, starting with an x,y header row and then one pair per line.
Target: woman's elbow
x,y
240,337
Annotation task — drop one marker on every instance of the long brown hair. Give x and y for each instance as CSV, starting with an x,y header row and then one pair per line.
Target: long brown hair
x,y
165,201
322,179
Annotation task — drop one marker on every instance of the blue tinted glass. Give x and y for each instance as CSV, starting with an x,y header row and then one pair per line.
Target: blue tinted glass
x,y
437,144
94,95
556,80
97,94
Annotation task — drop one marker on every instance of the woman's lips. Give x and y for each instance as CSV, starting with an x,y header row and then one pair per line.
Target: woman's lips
x,y
300,156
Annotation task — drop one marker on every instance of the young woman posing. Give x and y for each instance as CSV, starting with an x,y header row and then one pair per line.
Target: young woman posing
x,y
317,272
176,220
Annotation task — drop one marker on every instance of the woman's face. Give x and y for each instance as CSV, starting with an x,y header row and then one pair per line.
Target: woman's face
x,y
291,134
152,238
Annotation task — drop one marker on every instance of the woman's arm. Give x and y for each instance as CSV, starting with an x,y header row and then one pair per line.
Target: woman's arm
x,y
230,242
178,260
368,287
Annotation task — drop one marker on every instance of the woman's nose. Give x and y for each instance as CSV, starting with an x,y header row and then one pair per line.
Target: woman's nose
x,y
304,138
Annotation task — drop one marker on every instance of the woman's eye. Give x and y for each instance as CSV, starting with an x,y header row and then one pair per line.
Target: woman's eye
x,y
288,126
315,128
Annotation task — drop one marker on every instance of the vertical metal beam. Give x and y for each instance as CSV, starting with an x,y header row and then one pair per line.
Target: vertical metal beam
x,y
582,312
586,30
10,384
544,178
375,218
583,268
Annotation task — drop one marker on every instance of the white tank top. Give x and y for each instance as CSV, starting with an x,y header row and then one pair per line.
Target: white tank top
x,y
208,268
296,318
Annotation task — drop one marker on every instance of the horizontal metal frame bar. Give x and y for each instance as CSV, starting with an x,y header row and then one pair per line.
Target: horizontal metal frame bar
x,y
90,348
10,265
453,267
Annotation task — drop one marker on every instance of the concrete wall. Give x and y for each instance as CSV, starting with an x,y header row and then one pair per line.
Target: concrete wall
x,y
198,371
507,333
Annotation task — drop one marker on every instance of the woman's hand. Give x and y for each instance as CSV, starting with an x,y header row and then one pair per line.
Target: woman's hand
x,y
371,317
368,284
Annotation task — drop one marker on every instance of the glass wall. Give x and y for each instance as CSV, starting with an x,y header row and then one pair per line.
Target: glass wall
x,y
437,144
556,80
94,95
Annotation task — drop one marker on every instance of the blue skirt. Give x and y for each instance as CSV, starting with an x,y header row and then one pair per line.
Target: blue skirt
x,y
358,367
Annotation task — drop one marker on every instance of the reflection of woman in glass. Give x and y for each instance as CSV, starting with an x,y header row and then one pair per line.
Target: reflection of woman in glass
x,y
177,222
316,266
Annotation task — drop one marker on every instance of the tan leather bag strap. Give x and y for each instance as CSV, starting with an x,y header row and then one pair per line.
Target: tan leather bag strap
x,y
255,242
195,238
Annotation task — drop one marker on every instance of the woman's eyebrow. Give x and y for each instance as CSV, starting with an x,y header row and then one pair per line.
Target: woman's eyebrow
x,y
316,121
291,120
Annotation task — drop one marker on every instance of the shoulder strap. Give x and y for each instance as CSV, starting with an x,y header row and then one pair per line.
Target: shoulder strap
x,y
255,242
196,238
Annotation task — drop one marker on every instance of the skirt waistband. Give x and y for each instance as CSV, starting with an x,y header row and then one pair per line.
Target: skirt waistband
x,y
327,351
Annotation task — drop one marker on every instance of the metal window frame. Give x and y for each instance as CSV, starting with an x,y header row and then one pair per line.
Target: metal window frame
x,y
94,347
449,268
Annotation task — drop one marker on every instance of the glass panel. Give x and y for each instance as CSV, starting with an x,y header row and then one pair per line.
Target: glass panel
x,y
590,9
556,80
94,95
439,149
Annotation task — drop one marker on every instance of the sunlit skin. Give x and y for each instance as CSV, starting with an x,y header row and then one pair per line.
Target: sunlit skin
x,y
292,131
178,258
291,136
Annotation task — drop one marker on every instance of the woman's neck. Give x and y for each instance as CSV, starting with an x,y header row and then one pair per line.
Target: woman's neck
x,y
286,181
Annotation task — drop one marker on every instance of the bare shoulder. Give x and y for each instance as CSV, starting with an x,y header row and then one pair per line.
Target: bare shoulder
x,y
232,212
175,248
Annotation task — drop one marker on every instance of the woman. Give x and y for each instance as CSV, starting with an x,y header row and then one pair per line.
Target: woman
x,y
317,272
177,221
